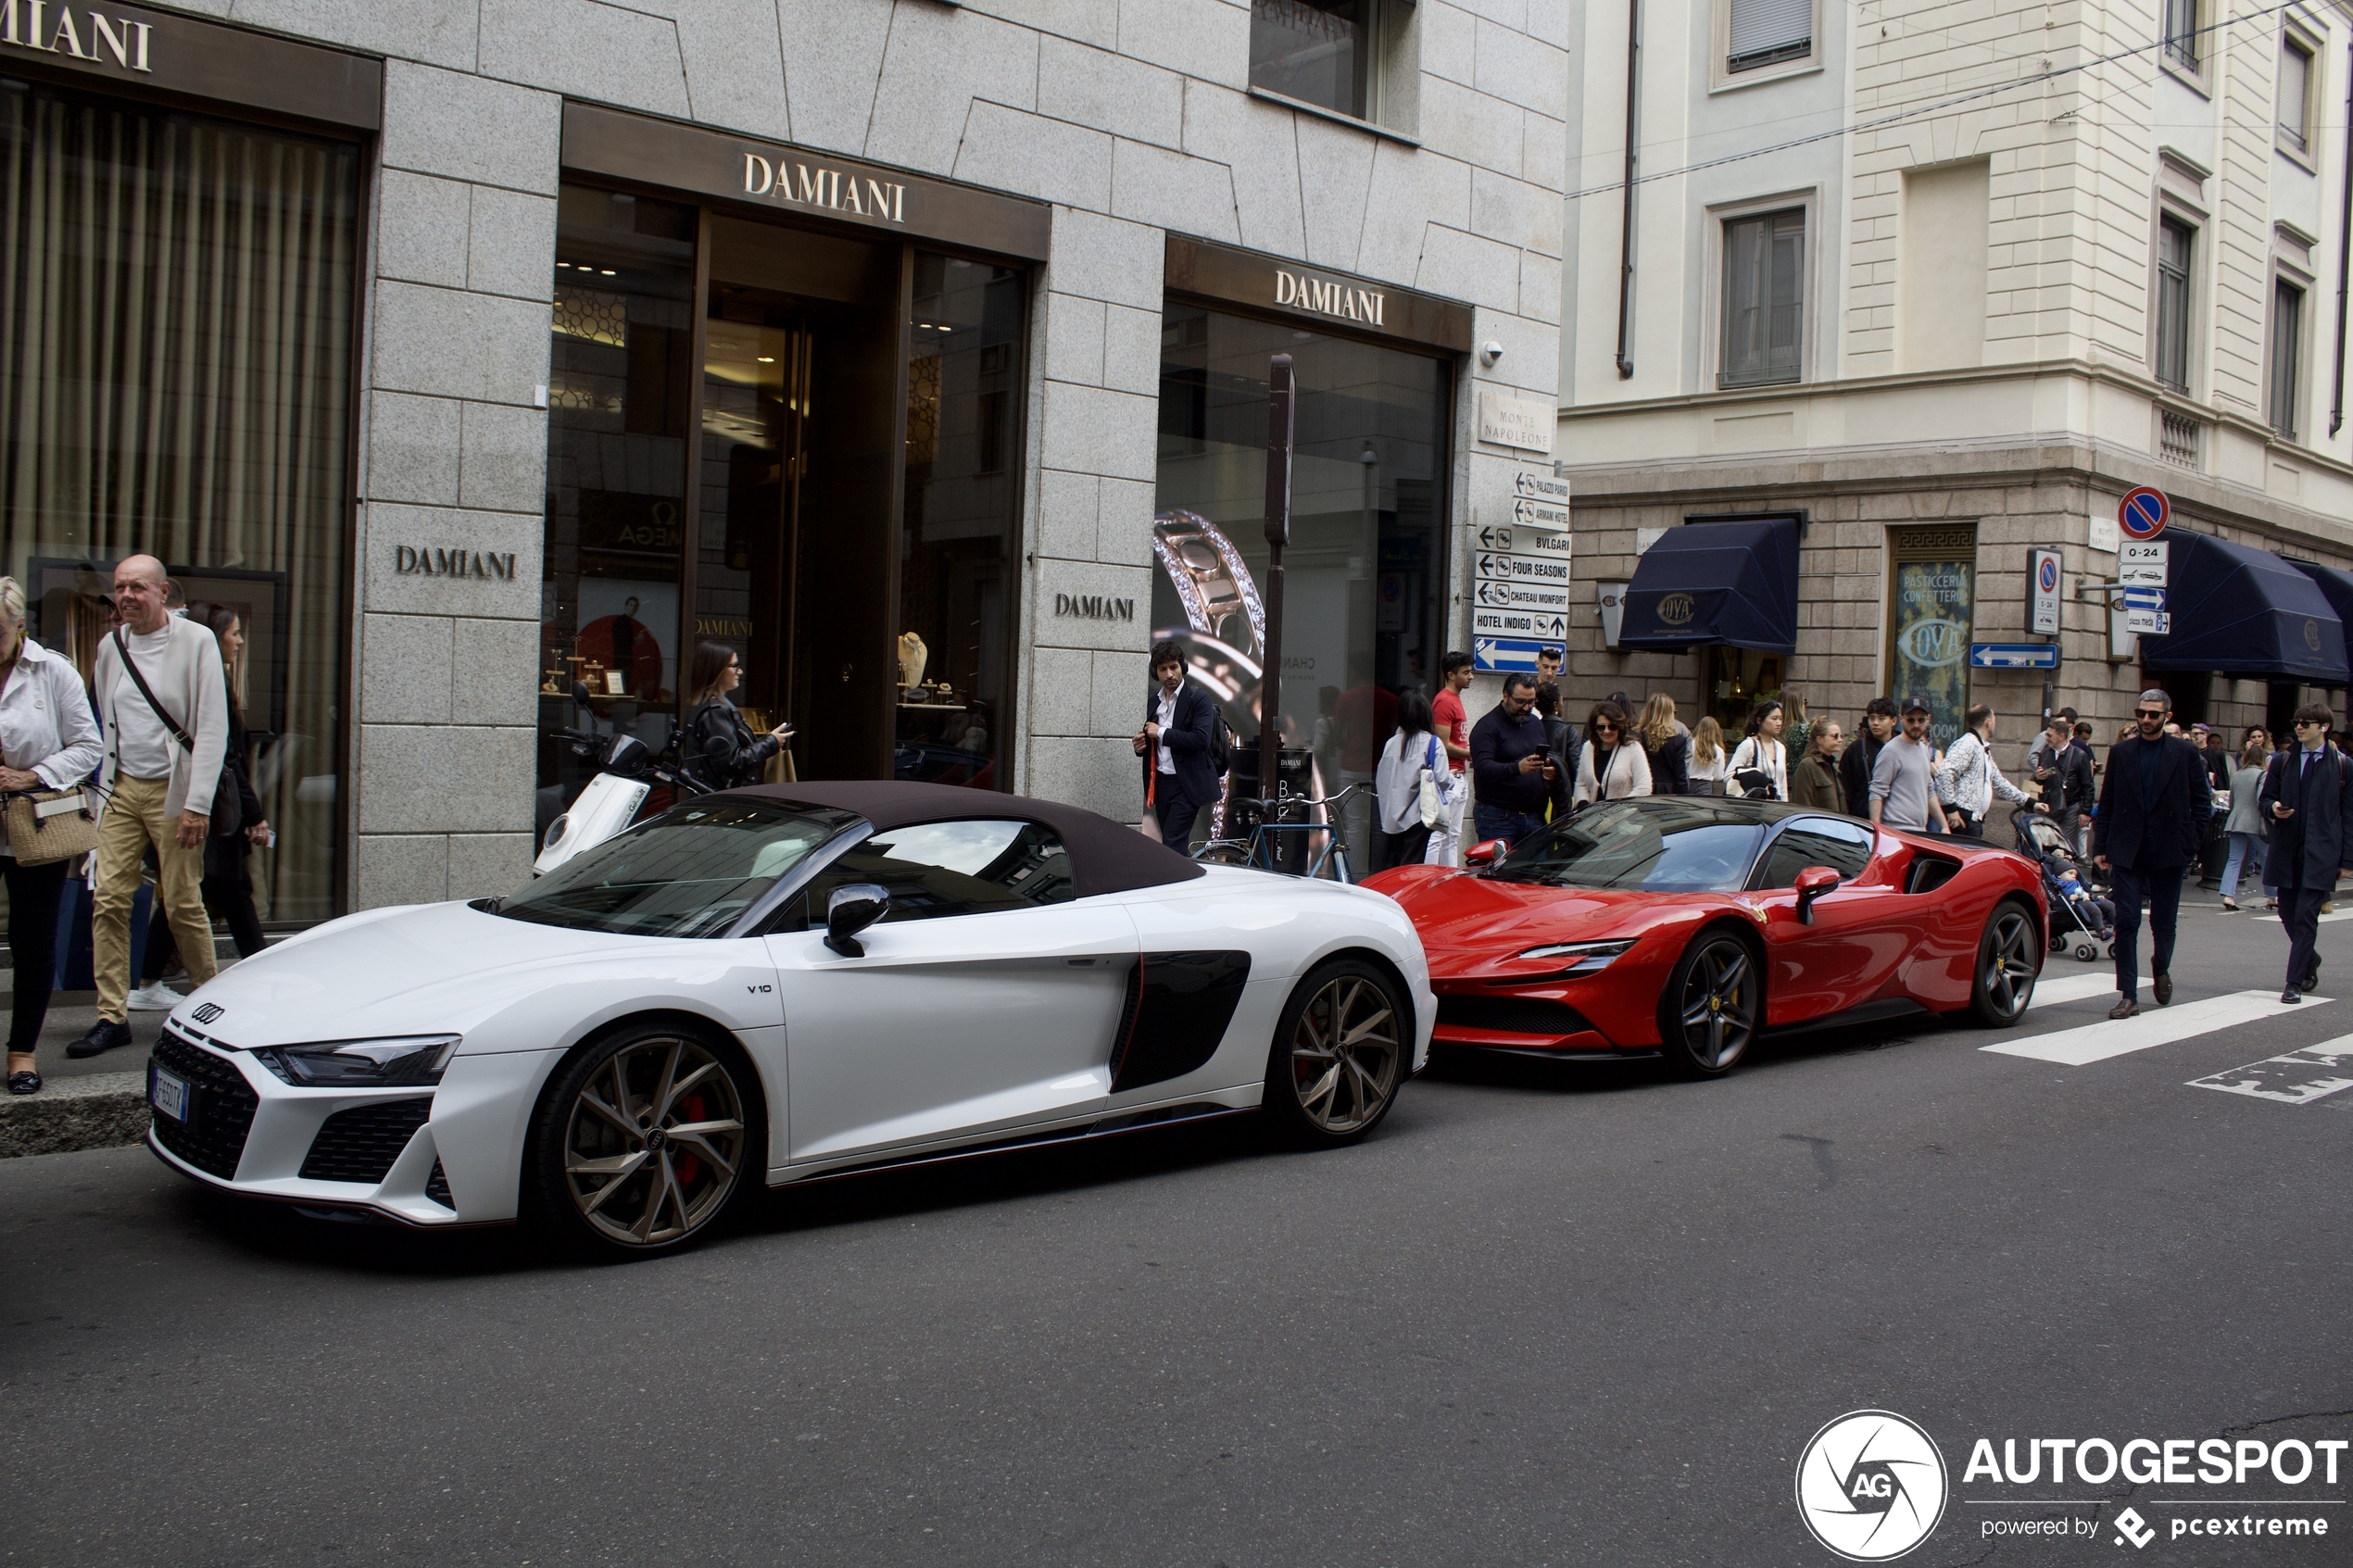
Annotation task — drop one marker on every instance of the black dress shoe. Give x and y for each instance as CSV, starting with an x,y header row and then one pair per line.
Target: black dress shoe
x,y
2290,997
103,1037
2125,1007
2163,985
25,1082
2312,976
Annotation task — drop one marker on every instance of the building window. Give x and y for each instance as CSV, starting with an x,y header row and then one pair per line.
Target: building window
x,y
2287,341
1764,298
1766,33
2181,34
2295,95
1319,52
2173,240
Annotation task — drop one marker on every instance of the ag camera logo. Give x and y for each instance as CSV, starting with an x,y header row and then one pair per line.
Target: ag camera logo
x,y
1871,1485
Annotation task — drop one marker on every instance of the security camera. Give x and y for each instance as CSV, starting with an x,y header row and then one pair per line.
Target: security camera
x,y
1490,351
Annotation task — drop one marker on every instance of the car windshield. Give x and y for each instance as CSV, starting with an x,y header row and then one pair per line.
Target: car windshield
x,y
1654,845
691,871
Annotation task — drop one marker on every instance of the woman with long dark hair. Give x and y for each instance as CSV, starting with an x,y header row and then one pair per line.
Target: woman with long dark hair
x,y
718,745
1397,782
237,825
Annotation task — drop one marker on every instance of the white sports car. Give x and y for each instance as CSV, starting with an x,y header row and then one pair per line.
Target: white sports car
x,y
790,981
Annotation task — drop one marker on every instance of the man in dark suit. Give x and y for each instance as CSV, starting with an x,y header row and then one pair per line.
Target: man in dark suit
x,y
2154,807
2308,798
1175,743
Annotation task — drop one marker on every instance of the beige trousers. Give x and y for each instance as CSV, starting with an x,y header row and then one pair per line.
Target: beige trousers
x,y
135,818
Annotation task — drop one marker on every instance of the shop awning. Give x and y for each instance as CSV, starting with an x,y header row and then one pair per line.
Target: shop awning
x,y
1731,581
2336,587
2242,611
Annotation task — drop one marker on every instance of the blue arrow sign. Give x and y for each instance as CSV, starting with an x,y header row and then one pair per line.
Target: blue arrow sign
x,y
2014,656
1505,652
2151,599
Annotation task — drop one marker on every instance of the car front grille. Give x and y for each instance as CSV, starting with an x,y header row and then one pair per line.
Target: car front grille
x,y
361,1144
1511,1015
220,1107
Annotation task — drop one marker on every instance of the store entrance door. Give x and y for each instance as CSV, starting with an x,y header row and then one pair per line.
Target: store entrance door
x,y
795,475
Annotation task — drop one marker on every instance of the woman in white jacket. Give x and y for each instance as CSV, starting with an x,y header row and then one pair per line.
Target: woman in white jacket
x,y
1970,779
1397,783
1610,766
1763,751
47,741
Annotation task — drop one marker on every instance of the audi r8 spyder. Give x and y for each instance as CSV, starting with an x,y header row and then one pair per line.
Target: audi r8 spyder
x,y
1686,926
776,983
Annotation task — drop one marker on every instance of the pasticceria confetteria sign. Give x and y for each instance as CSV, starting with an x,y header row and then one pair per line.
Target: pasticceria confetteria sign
x,y
52,28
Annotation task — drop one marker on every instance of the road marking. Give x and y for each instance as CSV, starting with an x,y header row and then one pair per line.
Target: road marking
x,y
2151,1027
2325,920
2297,1078
2101,982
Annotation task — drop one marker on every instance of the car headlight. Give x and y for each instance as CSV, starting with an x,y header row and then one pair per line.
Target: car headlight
x,y
362,1064
1591,957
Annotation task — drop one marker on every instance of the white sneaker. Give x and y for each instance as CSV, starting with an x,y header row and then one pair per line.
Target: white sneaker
x,y
158,998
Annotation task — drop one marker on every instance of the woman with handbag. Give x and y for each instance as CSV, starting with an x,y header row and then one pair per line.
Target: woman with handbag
x,y
237,826
1409,781
1612,766
1763,754
48,744
718,745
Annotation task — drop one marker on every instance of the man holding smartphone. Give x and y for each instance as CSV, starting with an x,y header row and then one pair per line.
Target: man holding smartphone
x,y
1514,770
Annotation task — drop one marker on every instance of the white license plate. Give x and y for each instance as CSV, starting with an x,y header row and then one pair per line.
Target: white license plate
x,y
169,1095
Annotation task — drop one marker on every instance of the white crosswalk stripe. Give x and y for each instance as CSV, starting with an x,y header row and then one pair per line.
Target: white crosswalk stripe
x,y
2151,1027
2297,1078
2053,990
2325,920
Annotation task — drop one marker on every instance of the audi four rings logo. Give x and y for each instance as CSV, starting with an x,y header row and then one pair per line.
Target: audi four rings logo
x,y
1870,1486
206,1013
1676,608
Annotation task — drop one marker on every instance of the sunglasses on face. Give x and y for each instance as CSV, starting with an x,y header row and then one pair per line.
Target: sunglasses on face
x,y
2149,712
1606,727
2307,723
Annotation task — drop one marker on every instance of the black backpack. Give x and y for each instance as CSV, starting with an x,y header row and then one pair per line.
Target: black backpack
x,y
1221,744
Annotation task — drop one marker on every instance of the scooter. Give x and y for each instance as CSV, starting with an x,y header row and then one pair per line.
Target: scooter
x,y
629,773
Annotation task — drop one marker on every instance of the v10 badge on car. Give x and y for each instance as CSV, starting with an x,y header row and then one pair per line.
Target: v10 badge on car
x,y
1871,1485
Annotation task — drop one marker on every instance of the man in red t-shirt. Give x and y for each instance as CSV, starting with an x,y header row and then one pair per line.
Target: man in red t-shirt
x,y
1452,719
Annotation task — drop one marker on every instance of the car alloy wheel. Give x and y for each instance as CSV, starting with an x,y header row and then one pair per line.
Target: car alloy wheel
x,y
1340,1053
652,1141
2008,959
1716,999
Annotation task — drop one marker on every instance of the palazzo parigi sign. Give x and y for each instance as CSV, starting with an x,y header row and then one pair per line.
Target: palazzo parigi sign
x,y
806,185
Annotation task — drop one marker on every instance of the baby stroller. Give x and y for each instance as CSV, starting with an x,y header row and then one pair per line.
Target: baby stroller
x,y
2081,921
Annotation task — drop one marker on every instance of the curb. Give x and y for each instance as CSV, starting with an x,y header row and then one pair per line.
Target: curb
x,y
88,1110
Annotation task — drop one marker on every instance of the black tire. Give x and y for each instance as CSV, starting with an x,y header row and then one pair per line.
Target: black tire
x,y
669,1170
1713,1006
2010,960
1342,1047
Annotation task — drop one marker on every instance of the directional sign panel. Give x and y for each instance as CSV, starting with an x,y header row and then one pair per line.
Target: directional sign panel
x,y
1504,653
1501,622
2145,611
2014,656
1519,596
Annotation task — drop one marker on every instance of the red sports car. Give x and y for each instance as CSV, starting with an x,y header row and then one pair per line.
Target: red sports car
x,y
1682,926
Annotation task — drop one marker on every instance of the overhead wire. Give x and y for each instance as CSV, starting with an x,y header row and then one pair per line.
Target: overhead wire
x,y
1918,111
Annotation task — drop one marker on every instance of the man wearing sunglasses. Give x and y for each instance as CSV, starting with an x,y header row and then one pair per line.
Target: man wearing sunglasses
x,y
2154,807
1511,765
2308,794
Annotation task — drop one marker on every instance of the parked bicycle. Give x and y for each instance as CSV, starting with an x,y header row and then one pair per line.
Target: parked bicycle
x,y
1288,833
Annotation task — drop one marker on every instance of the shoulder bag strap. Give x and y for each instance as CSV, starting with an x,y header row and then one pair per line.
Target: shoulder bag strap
x,y
187,742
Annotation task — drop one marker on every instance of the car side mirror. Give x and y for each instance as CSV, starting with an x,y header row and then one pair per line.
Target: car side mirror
x,y
850,910
1485,853
1812,882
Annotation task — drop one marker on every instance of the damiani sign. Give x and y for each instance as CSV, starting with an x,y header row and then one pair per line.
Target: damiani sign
x,y
415,560
1326,298
814,185
29,24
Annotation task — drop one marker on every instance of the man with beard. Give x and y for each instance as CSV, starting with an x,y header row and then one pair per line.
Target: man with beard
x,y
2154,806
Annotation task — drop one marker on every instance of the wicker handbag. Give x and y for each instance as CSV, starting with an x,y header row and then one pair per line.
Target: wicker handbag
x,y
47,825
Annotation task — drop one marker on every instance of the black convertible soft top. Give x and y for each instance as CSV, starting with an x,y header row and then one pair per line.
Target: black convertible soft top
x,y
1105,855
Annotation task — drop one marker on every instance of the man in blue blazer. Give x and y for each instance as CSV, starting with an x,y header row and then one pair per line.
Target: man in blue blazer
x,y
2308,798
2154,807
1175,743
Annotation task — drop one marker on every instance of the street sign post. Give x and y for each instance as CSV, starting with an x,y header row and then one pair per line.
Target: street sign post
x,y
2142,563
2014,656
1520,575
2044,570
2145,611
2144,513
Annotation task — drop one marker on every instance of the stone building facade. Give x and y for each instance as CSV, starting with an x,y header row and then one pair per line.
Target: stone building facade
x,y
1948,280
545,389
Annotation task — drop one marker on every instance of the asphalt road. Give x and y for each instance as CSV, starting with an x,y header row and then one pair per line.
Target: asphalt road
x,y
1540,1318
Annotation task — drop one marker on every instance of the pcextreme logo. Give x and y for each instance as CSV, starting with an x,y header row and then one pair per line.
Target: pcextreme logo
x,y
1871,1485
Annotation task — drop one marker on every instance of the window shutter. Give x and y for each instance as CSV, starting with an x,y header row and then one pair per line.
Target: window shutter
x,y
2296,70
1767,31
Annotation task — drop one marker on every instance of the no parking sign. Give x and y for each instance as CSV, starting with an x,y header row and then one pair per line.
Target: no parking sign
x,y
2144,513
2042,570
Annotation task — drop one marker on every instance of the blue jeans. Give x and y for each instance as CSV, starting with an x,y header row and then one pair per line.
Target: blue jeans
x,y
2247,851
1494,821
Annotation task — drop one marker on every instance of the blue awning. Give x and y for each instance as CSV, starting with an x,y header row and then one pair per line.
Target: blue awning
x,y
1731,581
2242,611
2336,587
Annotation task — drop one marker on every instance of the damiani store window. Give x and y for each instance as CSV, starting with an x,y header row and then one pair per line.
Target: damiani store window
x,y
175,381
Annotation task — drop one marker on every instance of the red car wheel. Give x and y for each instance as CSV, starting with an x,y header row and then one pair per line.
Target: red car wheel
x,y
1712,1006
